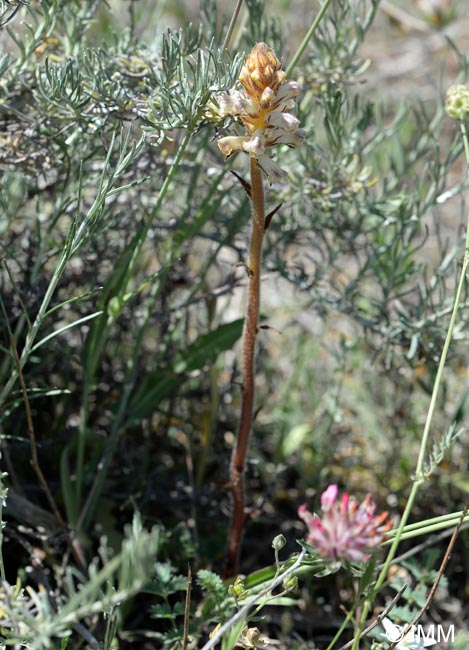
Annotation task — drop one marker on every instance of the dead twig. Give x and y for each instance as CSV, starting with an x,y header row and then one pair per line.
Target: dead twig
x,y
32,439
185,638
378,619
436,582
35,460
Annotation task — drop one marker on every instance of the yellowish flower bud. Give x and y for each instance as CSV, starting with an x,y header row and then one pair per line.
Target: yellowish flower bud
x,y
438,12
290,583
261,70
237,590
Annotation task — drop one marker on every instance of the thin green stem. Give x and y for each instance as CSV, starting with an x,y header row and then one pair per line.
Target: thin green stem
x,y
426,530
72,243
31,337
117,423
299,53
232,24
238,458
3,494
161,196
341,629
420,477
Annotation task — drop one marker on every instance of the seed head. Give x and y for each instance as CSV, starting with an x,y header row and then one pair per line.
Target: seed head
x,y
457,103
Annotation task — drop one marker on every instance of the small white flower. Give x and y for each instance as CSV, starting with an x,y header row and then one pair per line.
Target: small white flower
x,y
255,145
267,98
289,90
285,121
285,97
291,139
410,641
235,103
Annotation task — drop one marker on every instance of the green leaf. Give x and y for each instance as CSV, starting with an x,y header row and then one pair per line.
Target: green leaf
x,y
115,286
64,642
207,347
55,333
211,584
165,381
162,610
231,637
165,583
294,438
33,393
283,601
419,595
163,572
367,578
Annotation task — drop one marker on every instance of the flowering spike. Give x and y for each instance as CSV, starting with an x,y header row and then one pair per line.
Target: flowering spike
x,y
346,530
262,106
261,70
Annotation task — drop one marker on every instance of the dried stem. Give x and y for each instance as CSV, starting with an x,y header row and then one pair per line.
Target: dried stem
x,y
436,582
375,623
35,460
238,458
187,610
32,440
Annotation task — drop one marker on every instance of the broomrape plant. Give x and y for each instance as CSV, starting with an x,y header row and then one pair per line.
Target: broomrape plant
x,y
263,108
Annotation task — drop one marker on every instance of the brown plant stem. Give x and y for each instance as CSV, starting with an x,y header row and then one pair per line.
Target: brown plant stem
x,y
187,610
32,440
76,551
436,582
238,458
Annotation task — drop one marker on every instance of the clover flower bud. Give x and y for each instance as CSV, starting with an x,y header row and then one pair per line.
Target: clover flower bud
x,y
457,102
278,542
